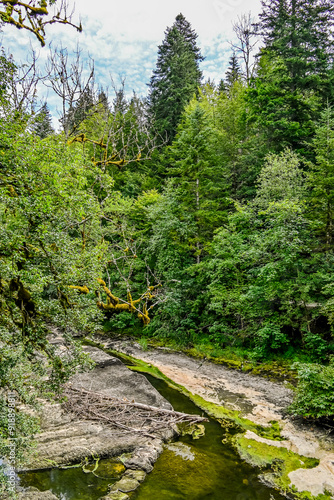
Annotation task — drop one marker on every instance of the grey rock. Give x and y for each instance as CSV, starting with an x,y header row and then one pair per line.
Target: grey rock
x,y
139,475
143,458
34,494
117,495
67,439
126,484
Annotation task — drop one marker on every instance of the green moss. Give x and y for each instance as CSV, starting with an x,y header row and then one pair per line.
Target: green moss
x,y
278,463
212,409
235,359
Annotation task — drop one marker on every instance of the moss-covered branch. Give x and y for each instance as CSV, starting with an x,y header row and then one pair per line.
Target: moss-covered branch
x,y
34,18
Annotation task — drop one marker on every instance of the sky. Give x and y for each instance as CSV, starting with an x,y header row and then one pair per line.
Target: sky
x,y
123,37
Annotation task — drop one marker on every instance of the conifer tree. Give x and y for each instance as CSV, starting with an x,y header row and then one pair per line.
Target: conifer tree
x,y
43,123
321,177
196,170
300,33
294,70
176,77
233,73
79,111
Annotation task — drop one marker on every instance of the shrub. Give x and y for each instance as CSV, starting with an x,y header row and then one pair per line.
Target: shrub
x,y
269,340
315,391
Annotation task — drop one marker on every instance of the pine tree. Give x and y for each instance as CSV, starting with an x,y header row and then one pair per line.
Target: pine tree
x,y
43,122
233,73
196,170
176,77
300,33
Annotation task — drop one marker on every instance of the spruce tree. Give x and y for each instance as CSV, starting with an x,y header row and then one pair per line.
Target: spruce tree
x,y
300,33
43,122
176,77
197,171
79,111
233,73
294,70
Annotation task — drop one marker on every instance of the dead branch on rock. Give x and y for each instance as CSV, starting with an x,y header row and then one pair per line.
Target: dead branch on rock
x,y
122,413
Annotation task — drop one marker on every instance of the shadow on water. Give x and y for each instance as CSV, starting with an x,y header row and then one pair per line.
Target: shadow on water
x,y
74,483
186,470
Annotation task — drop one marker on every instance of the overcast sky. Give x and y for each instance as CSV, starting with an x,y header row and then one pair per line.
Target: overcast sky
x,y
122,36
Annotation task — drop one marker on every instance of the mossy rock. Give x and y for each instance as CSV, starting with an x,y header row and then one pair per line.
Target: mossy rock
x,y
138,475
194,430
110,469
117,495
276,370
125,485
279,461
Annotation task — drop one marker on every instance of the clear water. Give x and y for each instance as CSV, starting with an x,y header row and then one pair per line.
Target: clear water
x,y
74,483
216,471
189,469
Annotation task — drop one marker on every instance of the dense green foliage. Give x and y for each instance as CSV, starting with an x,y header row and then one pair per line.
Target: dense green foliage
x,y
223,236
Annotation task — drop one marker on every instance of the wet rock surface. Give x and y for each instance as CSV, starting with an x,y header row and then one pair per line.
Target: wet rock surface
x,y
35,494
67,439
116,495
125,485
144,457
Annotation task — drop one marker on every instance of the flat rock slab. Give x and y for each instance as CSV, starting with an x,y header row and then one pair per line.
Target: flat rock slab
x,y
139,475
67,439
117,495
35,494
112,378
316,480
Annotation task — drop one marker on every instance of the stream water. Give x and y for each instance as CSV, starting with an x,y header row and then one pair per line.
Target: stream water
x,y
201,469
188,469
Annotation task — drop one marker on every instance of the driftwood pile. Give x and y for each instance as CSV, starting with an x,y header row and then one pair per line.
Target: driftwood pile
x,y
122,413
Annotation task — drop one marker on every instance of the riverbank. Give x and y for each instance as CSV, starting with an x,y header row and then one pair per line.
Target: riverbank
x,y
258,400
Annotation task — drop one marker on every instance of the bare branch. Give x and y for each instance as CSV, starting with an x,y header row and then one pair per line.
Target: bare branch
x,y
246,32
122,413
35,16
67,80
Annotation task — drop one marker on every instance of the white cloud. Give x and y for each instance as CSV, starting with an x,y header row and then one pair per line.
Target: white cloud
x,y
122,37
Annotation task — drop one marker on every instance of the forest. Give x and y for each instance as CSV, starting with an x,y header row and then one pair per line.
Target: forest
x,y
200,216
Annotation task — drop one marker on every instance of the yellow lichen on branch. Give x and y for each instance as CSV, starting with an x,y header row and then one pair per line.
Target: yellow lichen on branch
x,y
82,289
107,159
112,301
33,18
144,315
115,304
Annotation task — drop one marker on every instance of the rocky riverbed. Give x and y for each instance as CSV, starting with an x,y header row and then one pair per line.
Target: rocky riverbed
x,y
66,439
260,400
